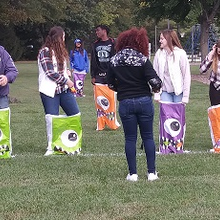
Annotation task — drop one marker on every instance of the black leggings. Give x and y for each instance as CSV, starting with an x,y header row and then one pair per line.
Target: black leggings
x,y
214,95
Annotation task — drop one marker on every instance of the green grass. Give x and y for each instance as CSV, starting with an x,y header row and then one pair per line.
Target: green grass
x,y
92,185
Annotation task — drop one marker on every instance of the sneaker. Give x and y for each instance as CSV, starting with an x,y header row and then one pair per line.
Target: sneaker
x,y
152,176
48,152
133,177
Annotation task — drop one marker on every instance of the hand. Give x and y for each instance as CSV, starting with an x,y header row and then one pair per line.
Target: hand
x,y
93,81
70,83
3,80
68,72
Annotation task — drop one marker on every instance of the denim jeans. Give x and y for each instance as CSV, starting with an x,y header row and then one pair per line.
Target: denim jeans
x,y
4,102
171,97
65,99
133,113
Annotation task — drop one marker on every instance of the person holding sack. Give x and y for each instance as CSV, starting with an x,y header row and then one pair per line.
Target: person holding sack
x,y
8,74
212,60
79,63
63,132
172,66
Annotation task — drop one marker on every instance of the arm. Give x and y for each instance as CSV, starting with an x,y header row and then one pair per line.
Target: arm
x,y
93,63
156,68
207,62
47,65
112,83
186,74
71,60
86,61
152,78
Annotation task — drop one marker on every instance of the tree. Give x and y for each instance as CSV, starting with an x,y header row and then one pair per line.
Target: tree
x,y
179,11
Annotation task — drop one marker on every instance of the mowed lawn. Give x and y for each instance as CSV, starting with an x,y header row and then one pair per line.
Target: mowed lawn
x,y
92,185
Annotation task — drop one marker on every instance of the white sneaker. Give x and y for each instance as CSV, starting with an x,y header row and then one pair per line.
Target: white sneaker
x,y
133,177
48,152
152,176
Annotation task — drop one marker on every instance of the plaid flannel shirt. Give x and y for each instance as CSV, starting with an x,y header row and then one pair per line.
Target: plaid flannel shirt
x,y
214,77
48,67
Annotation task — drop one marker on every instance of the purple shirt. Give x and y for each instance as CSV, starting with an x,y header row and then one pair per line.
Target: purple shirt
x,y
7,68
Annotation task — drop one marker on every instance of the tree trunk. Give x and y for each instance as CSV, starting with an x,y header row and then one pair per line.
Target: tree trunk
x,y
204,37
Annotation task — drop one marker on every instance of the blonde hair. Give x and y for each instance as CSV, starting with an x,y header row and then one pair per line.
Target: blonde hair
x,y
216,59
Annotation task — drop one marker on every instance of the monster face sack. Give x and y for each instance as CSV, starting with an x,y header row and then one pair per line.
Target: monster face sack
x,y
105,103
64,134
214,124
79,79
5,134
172,127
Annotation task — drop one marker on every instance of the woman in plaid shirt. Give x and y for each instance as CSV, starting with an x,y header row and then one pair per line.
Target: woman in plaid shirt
x,y
213,60
54,82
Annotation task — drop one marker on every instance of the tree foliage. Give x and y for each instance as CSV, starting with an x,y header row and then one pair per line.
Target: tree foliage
x,y
202,12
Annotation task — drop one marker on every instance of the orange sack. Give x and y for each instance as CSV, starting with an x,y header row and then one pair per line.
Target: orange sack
x,y
214,124
105,103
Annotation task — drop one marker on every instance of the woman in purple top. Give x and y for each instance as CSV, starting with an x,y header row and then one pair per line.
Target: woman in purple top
x,y
8,73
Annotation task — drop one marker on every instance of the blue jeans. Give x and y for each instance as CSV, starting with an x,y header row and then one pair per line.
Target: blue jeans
x,y
4,102
170,97
65,99
133,113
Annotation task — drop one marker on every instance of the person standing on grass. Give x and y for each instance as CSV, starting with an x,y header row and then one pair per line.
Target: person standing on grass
x,y
172,65
8,73
212,60
131,74
79,63
105,101
54,83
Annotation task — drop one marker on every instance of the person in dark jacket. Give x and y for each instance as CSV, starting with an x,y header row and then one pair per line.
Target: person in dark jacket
x,y
131,74
8,73
105,101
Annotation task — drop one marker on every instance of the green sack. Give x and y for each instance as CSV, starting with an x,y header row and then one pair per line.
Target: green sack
x,y
5,134
66,133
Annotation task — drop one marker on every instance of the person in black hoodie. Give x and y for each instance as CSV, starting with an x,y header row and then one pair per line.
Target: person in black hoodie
x,y
131,74
105,102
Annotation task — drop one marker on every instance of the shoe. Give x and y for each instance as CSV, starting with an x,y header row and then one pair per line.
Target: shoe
x,y
48,152
132,178
152,176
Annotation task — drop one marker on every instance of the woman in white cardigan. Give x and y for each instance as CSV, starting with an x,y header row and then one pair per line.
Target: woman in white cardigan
x,y
173,68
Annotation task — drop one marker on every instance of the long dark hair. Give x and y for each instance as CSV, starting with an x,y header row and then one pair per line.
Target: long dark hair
x,y
133,38
55,42
81,48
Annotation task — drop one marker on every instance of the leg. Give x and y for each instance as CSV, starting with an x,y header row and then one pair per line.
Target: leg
x,y
51,105
68,103
4,102
145,121
214,95
129,122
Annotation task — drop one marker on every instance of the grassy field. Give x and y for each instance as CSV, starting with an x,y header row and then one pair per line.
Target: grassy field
x,y
92,186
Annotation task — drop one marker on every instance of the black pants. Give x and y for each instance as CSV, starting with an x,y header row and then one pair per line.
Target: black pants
x,y
214,95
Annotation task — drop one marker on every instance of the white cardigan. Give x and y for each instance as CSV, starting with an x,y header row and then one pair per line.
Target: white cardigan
x,y
179,70
46,85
